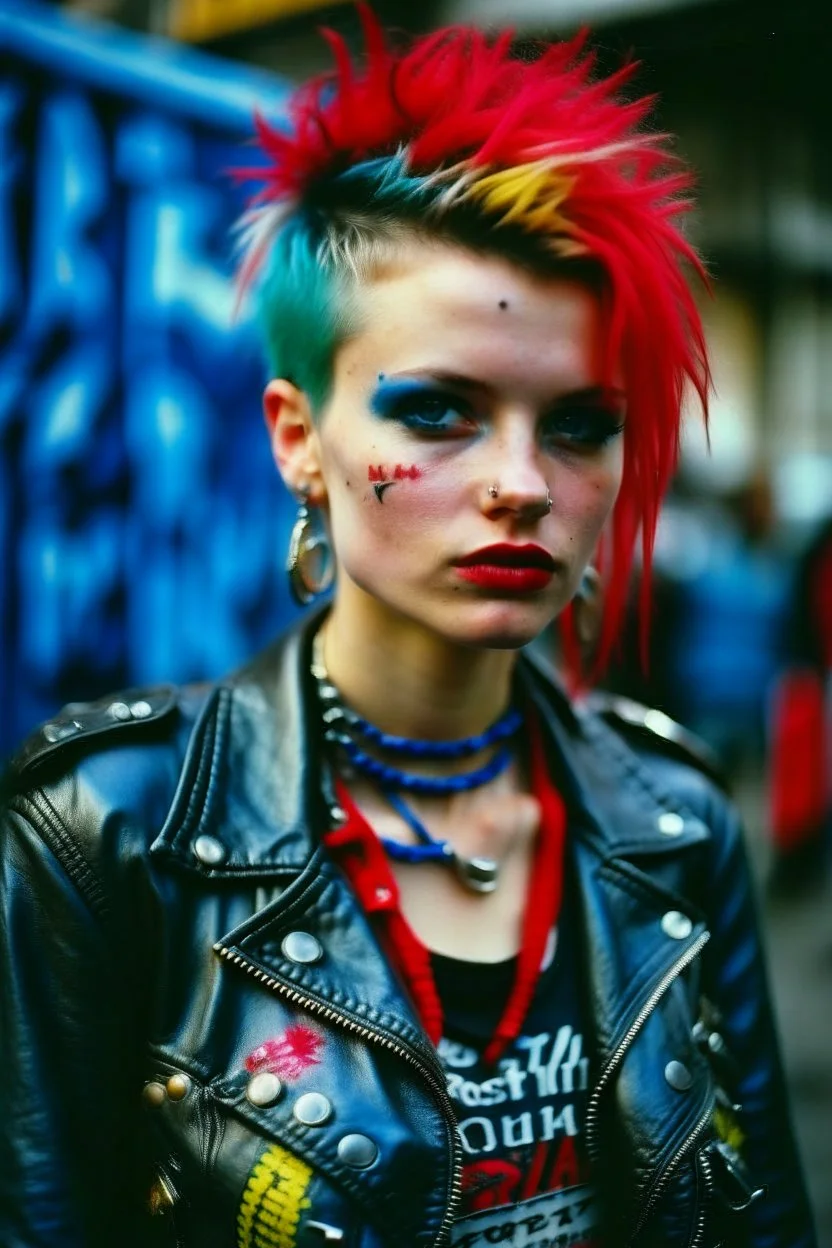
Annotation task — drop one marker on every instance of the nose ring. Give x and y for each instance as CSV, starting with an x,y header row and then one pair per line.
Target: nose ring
x,y
494,492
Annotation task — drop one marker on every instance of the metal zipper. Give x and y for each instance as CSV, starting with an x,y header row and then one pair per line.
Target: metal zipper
x,y
377,1037
670,1169
617,1057
632,1031
702,1219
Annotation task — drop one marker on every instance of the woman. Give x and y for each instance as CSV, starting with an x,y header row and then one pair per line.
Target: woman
x,y
383,941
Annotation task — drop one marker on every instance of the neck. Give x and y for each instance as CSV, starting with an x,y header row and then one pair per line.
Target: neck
x,y
409,681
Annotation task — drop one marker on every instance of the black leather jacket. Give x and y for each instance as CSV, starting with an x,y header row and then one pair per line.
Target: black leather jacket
x,y
158,851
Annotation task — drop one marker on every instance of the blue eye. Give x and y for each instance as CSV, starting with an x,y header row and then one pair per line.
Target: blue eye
x,y
583,427
421,408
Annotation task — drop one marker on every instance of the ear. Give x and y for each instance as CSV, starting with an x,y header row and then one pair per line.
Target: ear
x,y
294,439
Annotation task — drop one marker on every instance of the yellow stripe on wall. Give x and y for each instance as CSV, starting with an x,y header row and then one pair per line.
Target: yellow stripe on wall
x,y
195,20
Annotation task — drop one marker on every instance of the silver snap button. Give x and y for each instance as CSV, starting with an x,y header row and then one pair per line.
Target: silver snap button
x,y
154,1094
676,925
357,1151
178,1087
659,723
263,1089
678,1076
302,947
312,1109
670,824
141,709
338,815
119,711
715,1042
59,732
209,850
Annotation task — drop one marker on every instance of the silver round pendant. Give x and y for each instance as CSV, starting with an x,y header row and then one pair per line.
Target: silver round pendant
x,y
480,875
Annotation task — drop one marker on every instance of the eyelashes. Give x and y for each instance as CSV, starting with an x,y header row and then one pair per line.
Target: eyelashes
x,y
422,408
582,426
438,412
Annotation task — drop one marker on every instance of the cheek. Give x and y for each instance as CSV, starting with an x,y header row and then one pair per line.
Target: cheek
x,y
586,497
379,491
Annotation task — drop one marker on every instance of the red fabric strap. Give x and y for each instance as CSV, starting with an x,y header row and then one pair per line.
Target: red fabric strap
x,y
361,857
542,903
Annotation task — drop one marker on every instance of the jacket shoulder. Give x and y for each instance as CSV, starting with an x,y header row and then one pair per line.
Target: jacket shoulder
x,y
96,782
122,752
651,731
81,727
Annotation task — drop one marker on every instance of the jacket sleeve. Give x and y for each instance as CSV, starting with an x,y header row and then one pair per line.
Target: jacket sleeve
x,y
70,1136
736,982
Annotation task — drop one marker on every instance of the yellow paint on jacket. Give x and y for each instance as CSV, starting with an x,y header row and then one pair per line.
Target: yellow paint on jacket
x,y
273,1200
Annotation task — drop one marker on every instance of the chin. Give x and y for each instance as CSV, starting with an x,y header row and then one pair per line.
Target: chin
x,y
499,625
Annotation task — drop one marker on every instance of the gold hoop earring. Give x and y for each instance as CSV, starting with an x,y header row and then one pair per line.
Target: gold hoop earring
x,y
309,563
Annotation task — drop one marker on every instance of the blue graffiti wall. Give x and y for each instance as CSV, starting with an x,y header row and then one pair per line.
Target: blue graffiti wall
x,y
142,523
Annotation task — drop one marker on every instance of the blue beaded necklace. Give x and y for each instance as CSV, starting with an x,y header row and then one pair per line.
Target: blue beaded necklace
x,y
480,874
503,728
393,777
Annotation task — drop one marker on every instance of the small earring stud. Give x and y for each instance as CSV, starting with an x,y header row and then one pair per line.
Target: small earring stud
x,y
548,502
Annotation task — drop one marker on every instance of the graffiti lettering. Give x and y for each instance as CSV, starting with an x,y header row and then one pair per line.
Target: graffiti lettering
x,y
134,469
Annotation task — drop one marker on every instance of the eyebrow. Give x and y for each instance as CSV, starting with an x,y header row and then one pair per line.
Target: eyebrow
x,y
602,396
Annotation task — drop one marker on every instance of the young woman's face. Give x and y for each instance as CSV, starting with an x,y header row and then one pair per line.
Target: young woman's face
x,y
471,395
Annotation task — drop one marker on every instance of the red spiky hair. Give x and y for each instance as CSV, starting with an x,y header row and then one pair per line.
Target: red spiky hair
x,y
562,157
452,95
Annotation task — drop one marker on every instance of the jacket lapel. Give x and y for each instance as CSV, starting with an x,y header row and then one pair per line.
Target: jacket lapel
x,y
642,933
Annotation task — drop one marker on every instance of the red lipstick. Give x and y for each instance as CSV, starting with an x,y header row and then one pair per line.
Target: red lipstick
x,y
508,567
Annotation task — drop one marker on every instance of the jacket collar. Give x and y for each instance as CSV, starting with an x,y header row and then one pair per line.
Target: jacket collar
x,y
252,784
617,802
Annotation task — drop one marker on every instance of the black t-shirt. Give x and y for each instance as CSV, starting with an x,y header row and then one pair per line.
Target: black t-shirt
x,y
520,1123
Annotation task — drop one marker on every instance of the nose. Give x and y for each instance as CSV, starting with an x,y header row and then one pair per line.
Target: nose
x,y
516,482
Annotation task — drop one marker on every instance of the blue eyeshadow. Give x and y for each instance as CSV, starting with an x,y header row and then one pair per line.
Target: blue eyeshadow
x,y
389,393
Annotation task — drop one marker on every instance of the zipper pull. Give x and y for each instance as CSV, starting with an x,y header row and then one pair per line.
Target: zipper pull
x,y
732,1183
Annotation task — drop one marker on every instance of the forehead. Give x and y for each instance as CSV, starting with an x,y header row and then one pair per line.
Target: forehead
x,y
449,309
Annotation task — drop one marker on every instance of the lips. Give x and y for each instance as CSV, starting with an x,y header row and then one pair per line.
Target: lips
x,y
508,568
509,555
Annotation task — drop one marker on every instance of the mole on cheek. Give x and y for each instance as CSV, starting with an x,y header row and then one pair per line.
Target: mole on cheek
x,y
503,304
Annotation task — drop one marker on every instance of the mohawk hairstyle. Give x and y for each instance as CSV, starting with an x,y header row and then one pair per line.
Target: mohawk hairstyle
x,y
457,138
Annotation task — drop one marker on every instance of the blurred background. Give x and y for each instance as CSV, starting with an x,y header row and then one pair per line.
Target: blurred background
x,y
142,527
